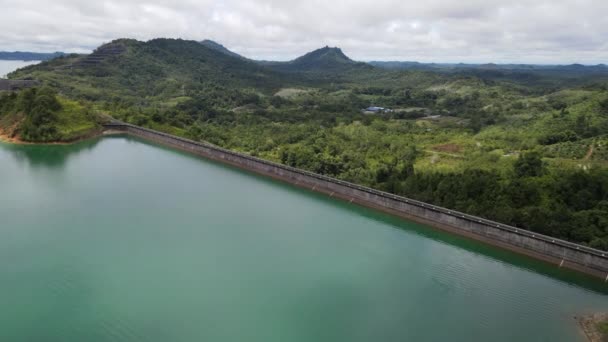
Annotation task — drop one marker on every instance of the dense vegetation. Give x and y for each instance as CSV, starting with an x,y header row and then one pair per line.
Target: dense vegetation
x,y
527,148
221,48
38,115
322,61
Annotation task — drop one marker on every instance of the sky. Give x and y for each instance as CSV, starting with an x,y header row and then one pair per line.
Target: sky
x,y
473,31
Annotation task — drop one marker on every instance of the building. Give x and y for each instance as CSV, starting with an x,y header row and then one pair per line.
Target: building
x,y
376,110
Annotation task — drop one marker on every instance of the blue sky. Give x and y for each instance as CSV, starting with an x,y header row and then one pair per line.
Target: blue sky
x,y
499,31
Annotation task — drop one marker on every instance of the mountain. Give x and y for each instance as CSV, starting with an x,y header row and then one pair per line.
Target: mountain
x,y
221,48
321,60
505,131
154,70
406,65
28,56
546,76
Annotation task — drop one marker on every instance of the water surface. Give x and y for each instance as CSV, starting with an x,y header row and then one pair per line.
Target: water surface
x,y
6,67
119,240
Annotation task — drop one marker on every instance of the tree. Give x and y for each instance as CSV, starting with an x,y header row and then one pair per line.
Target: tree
x,y
40,107
529,164
604,107
582,124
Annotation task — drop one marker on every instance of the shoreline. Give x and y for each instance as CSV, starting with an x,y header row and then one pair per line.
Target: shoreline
x,y
590,326
554,251
484,238
5,138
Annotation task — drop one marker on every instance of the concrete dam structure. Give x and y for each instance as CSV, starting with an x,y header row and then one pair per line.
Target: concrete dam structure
x,y
556,251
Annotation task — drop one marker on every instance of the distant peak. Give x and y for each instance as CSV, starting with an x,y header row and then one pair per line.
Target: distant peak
x,y
213,45
325,59
117,44
326,53
122,41
332,48
211,42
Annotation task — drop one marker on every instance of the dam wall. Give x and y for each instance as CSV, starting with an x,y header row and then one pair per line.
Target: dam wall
x,y
560,252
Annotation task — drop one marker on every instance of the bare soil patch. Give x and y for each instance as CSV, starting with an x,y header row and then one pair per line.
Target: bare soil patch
x,y
290,92
594,327
449,148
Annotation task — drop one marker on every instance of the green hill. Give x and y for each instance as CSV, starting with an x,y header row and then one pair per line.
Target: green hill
x,y
563,76
527,148
39,115
328,60
153,71
221,48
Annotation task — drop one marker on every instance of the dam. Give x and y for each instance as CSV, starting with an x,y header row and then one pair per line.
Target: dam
x,y
559,252
120,239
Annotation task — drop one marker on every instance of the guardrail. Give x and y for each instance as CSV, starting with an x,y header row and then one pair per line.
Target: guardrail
x,y
475,219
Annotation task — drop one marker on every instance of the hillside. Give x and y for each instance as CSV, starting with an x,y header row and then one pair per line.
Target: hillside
x,y
39,115
160,70
526,148
599,68
324,60
563,76
221,48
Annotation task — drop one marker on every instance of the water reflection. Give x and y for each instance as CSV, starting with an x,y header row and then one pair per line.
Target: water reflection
x,y
52,157
55,157
508,257
136,236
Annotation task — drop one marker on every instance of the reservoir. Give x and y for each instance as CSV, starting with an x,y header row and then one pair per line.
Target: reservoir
x,y
116,239
6,67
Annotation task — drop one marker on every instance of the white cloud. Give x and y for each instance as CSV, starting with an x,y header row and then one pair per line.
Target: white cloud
x,y
532,31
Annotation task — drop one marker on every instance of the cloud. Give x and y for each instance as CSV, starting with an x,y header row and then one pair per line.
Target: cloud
x,y
527,31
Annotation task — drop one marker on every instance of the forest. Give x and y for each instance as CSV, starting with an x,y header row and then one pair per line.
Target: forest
x,y
526,148
40,115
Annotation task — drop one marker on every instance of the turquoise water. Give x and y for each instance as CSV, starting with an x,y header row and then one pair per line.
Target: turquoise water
x,y
119,240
